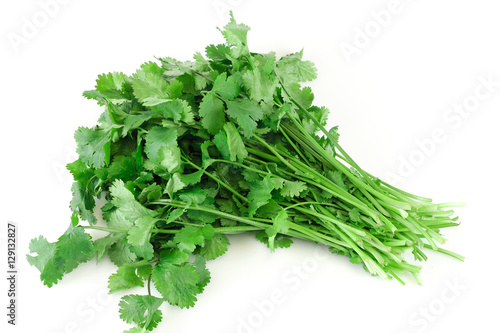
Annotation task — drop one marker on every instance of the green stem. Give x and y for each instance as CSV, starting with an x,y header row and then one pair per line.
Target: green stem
x,y
219,181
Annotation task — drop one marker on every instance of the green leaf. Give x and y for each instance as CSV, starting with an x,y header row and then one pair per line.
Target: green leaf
x,y
145,251
126,203
194,195
237,150
212,113
220,141
119,253
122,167
280,222
93,146
162,148
125,278
280,225
192,178
82,201
293,188
217,52
201,267
102,244
261,87
214,247
134,121
260,194
74,247
150,193
246,113
279,240
303,96
338,179
152,89
174,215
116,219
236,35
55,259
110,81
294,69
226,87
174,184
178,283
354,215
142,310
152,67
110,87
139,234
188,237
174,257
51,267
176,109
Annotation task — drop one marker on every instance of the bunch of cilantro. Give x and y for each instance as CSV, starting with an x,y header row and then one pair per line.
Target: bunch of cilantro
x,y
187,152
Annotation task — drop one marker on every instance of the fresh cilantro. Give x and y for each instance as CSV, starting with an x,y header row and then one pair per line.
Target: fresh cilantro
x,y
186,153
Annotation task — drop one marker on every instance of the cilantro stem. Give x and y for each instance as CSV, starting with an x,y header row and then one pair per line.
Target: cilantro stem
x,y
278,155
330,137
149,284
219,181
294,146
447,252
110,230
363,187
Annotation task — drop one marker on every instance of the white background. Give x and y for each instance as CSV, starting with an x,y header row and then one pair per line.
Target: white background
x,y
417,63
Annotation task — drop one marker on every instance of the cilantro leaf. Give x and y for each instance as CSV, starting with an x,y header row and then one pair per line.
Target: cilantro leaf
x,y
139,234
109,87
214,247
260,194
119,253
220,141
177,282
237,150
161,148
226,87
236,35
82,202
176,109
102,244
201,267
246,113
260,86
293,69
74,247
302,96
126,203
125,278
212,113
293,189
141,310
93,146
188,237
151,89
280,240
217,52
55,259
50,266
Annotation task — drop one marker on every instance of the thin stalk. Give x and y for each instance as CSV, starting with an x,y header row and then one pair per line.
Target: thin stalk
x,y
339,166
218,180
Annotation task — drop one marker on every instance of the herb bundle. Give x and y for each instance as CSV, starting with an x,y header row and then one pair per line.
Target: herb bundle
x,y
187,152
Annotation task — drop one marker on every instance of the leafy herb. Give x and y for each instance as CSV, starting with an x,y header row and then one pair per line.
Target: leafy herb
x,y
187,152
